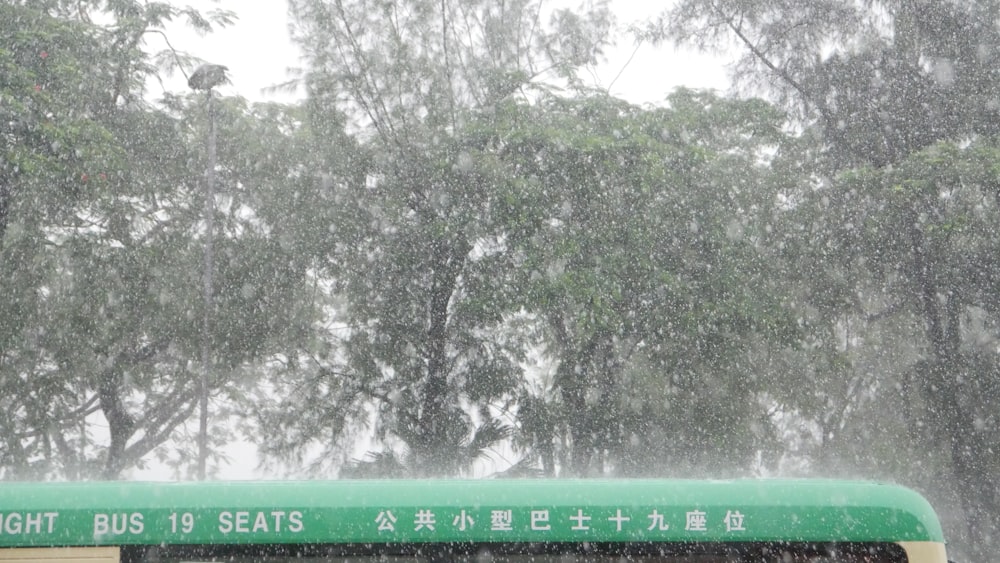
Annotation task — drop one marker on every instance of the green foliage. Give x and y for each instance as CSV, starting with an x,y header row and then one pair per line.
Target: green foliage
x,y
901,276
643,273
411,70
901,96
882,79
488,219
428,224
50,149
101,244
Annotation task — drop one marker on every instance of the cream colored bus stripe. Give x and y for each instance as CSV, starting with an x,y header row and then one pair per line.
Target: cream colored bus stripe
x,y
61,554
924,551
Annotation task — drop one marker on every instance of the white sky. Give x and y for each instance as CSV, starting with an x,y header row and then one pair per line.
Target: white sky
x,y
258,53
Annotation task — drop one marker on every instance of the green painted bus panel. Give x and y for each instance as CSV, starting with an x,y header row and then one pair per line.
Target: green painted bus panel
x,y
121,513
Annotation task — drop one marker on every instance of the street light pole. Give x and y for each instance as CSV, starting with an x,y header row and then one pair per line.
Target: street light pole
x,y
208,267
206,77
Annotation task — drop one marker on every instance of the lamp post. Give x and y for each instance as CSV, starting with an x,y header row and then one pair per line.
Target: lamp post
x,y
205,78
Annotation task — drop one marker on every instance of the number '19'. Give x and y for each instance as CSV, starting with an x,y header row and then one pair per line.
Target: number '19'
x,y
186,522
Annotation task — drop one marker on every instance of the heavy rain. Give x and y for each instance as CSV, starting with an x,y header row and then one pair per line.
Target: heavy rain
x,y
480,239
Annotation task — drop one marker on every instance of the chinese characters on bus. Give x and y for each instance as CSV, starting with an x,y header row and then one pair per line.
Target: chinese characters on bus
x,y
543,520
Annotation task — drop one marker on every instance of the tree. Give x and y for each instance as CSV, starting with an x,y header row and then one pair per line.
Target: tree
x,y
940,204
425,333
54,153
882,79
640,279
101,248
422,245
889,85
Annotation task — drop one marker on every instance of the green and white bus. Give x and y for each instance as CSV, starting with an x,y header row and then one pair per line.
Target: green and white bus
x,y
466,521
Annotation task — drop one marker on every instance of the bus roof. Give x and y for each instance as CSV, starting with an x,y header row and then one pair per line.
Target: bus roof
x,y
394,511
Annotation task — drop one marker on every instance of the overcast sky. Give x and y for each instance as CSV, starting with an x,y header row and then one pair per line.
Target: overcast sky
x,y
258,53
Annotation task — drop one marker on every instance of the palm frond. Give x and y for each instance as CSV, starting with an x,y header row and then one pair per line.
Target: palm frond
x,y
376,465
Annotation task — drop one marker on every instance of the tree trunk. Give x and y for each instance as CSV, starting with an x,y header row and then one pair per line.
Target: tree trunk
x,y
4,206
120,422
433,431
573,391
574,378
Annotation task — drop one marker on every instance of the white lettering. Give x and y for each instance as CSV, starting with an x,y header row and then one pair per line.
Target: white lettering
x,y
540,520
136,525
225,522
13,523
117,524
51,517
243,522
187,522
33,521
260,523
278,515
